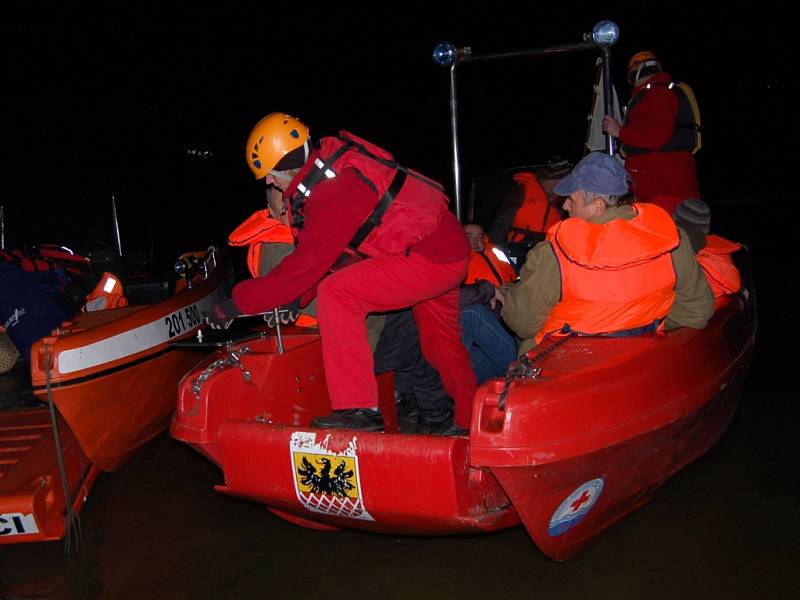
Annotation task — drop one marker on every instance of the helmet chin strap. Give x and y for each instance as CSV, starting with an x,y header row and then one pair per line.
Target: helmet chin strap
x,y
650,67
282,174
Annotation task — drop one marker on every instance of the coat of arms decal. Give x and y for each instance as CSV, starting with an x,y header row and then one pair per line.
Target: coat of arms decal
x,y
327,482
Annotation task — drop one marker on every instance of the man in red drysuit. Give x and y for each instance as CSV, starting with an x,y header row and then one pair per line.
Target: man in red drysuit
x,y
396,245
658,135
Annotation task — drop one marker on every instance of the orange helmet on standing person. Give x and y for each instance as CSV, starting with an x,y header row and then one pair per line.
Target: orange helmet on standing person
x,y
276,137
641,65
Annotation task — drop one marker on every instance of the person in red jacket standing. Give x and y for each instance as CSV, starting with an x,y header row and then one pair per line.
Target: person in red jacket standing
x,y
658,135
387,236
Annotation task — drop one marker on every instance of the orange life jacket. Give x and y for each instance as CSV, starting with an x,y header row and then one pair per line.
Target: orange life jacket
x,y
717,263
616,278
259,229
535,215
487,265
410,205
106,294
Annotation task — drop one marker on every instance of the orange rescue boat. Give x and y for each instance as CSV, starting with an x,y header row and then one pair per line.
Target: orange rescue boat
x,y
112,375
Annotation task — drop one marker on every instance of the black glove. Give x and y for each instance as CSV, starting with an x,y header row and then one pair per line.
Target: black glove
x,y
222,314
286,314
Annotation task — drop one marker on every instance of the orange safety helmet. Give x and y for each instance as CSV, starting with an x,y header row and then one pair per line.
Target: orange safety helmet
x,y
273,137
638,62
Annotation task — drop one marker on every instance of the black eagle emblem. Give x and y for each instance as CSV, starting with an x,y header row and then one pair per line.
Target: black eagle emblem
x,y
323,482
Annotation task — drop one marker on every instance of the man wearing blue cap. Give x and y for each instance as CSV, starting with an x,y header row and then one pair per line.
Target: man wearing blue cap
x,y
611,268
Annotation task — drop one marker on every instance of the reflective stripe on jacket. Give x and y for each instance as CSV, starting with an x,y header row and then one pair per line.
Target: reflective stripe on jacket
x,y
414,210
108,293
616,276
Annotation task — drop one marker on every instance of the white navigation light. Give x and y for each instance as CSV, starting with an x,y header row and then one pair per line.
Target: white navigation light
x,y
444,54
605,33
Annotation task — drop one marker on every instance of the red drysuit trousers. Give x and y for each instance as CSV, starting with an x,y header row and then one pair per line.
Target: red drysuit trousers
x,y
388,283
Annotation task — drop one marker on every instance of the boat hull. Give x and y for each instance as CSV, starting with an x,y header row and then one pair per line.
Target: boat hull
x,y
113,374
574,500
572,450
32,502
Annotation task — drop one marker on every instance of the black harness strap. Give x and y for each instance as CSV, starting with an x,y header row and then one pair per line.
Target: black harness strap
x,y
372,221
492,267
318,174
380,209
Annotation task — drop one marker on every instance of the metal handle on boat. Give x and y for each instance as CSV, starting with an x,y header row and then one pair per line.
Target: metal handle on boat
x,y
278,330
234,359
519,369
523,367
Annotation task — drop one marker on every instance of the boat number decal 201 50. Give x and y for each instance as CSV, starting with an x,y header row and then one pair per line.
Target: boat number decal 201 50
x,y
572,510
182,320
139,339
327,482
17,524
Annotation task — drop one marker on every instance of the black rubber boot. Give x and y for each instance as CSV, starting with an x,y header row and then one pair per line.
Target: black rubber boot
x,y
406,408
431,423
360,419
452,430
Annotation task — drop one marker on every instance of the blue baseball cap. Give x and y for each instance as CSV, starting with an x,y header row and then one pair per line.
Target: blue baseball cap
x,y
597,172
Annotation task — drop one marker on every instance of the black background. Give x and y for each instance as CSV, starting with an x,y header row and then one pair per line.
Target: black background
x,y
110,100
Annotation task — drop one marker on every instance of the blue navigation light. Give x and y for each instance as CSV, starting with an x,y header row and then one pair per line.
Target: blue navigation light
x,y
444,54
605,33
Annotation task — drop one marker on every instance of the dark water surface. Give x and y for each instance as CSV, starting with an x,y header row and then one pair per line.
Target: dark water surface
x,y
724,527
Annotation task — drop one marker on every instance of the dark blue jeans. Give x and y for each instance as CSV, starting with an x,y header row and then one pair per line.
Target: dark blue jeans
x,y
491,348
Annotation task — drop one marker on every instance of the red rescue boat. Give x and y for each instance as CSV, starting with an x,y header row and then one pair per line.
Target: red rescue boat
x,y
573,440
112,375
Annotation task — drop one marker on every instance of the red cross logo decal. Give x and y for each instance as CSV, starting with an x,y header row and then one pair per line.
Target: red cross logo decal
x,y
585,497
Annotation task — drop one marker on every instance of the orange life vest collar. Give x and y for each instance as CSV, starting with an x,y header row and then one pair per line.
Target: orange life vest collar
x,y
259,228
619,243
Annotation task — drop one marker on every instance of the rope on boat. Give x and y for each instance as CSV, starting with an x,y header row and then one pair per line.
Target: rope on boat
x,y
72,521
523,369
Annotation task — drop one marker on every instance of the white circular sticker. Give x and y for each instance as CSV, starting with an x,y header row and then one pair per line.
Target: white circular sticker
x,y
575,507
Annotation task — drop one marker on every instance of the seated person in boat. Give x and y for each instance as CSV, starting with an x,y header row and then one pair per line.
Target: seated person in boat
x,y
486,261
267,235
404,249
610,268
714,253
491,348
535,206
269,240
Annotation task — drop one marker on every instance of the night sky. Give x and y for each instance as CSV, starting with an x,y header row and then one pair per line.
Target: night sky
x,y
111,100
